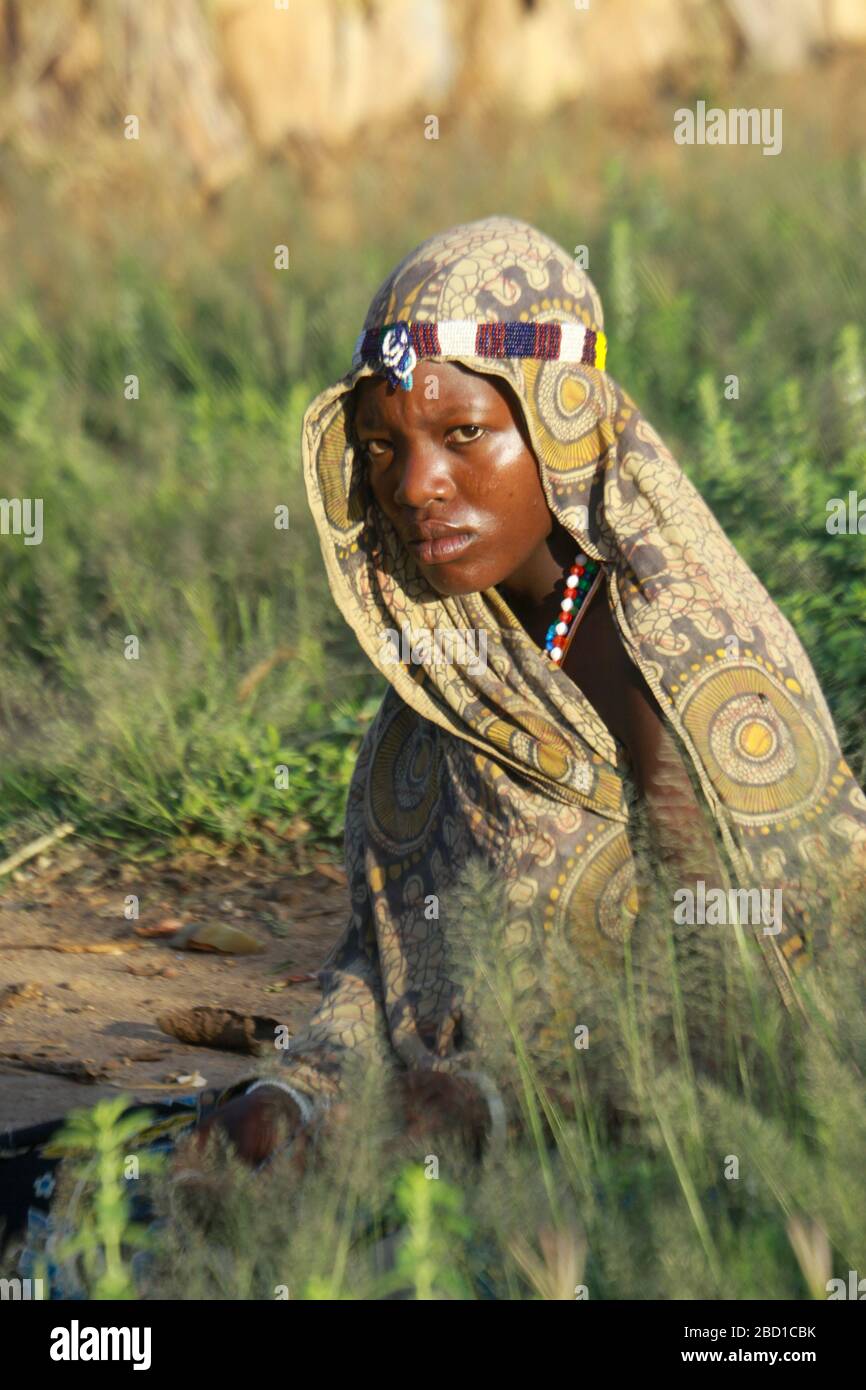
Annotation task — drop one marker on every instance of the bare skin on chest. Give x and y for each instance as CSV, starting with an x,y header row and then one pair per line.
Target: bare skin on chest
x,y
595,661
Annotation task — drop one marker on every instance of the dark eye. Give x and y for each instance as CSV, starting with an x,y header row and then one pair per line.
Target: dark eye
x,y
470,433
375,448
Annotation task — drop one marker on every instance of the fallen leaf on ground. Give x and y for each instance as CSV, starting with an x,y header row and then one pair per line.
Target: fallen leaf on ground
x,y
219,936
221,1028
193,1078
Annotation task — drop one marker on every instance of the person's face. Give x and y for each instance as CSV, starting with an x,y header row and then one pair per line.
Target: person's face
x,y
453,470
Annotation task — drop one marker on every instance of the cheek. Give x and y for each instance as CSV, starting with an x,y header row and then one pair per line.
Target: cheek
x,y
517,505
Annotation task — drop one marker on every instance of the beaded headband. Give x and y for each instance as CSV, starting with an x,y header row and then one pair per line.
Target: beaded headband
x,y
394,348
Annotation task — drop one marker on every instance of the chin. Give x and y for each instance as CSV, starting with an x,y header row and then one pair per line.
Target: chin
x,y
451,590
453,584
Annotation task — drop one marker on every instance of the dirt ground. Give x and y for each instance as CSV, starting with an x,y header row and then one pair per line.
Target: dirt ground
x,y
98,1010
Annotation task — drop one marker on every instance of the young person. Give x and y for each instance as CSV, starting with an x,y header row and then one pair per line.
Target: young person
x,y
574,651
482,487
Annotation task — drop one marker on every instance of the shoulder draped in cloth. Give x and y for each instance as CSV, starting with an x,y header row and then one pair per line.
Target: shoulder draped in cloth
x,y
506,759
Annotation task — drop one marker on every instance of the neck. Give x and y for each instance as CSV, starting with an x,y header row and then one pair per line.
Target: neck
x,y
533,582
533,591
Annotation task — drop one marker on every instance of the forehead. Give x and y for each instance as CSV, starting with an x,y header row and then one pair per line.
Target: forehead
x,y
375,400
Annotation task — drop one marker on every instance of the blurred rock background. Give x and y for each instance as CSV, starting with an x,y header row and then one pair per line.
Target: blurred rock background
x,y
222,81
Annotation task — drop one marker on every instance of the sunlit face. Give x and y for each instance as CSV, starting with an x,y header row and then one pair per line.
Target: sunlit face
x,y
455,474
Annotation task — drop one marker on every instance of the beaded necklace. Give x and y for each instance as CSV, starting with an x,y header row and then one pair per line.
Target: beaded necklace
x,y
578,584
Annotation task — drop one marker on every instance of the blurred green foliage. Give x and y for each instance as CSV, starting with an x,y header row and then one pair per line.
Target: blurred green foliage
x,y
159,512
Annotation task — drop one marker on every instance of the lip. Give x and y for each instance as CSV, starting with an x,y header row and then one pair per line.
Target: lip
x,y
434,542
444,548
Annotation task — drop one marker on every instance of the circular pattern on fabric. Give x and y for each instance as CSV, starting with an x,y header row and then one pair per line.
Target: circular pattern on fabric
x,y
532,740
596,899
759,749
571,394
765,755
403,787
570,415
552,749
617,904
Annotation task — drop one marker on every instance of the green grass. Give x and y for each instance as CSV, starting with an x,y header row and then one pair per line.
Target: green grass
x,y
159,524
159,512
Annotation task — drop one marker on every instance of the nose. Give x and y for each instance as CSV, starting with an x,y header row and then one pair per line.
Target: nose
x,y
425,477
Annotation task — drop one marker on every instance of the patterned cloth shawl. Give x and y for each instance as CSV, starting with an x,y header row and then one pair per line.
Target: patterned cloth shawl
x,y
505,759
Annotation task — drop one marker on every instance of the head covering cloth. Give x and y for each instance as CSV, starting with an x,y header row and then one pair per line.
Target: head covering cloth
x,y
506,759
